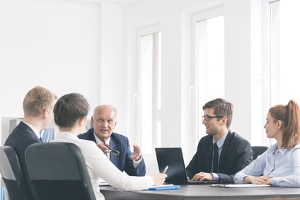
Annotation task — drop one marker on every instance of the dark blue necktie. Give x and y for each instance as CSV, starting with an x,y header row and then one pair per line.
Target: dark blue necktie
x,y
216,158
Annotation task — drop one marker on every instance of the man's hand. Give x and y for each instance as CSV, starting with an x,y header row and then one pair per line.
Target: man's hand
x,y
103,147
201,176
137,154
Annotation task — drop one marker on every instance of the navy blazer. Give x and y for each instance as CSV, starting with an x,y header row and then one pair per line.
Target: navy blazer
x,y
20,138
122,161
236,154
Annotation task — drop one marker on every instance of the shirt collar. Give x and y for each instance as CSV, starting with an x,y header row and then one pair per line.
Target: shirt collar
x,y
221,141
281,150
68,135
34,129
99,141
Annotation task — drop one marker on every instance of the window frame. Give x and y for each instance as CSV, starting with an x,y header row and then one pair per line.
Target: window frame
x,y
269,96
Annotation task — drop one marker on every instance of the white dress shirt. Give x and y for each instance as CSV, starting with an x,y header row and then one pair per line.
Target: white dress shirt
x,y
283,167
99,166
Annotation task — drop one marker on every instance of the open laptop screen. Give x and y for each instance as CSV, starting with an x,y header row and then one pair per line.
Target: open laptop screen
x,y
173,158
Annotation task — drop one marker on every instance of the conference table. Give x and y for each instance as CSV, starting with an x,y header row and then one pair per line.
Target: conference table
x,y
194,192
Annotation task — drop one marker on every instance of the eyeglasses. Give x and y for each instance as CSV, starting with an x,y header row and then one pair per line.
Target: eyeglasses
x,y
207,117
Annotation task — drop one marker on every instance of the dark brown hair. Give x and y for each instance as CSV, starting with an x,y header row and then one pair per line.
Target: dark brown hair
x,y
69,108
221,108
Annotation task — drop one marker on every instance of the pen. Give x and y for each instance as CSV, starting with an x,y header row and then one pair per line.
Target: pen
x,y
165,170
113,150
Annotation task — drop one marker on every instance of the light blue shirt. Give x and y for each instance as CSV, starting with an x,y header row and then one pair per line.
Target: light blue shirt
x,y
283,167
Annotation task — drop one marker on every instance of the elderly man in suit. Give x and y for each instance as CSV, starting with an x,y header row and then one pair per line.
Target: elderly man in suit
x,y
221,153
114,145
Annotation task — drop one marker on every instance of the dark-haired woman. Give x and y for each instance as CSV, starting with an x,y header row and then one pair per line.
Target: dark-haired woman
x,y
70,112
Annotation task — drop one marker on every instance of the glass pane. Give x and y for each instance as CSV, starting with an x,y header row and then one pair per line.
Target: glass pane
x,y
289,49
210,63
146,92
150,92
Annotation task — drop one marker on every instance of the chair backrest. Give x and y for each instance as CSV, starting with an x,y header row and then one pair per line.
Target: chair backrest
x,y
58,171
257,150
12,174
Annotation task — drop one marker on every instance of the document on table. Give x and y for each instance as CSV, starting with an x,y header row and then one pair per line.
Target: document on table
x,y
239,185
165,187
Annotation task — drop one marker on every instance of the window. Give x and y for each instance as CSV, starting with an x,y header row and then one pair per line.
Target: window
x,y
149,104
288,34
208,61
280,52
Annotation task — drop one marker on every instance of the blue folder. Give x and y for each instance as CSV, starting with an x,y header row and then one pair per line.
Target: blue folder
x,y
165,187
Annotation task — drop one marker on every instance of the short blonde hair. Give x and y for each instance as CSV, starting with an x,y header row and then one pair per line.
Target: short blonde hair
x,y
36,100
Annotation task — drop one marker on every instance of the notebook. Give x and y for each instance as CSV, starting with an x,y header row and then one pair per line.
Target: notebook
x,y
173,158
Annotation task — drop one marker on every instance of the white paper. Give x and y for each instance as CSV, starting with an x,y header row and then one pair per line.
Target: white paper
x,y
239,185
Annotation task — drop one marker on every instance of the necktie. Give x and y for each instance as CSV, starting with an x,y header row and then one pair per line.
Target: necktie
x,y
216,158
107,154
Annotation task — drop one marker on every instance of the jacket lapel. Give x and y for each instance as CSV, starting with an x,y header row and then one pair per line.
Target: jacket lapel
x,y
209,156
113,157
225,147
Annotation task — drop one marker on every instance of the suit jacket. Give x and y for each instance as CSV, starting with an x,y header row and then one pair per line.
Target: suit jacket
x,y
236,154
122,161
20,138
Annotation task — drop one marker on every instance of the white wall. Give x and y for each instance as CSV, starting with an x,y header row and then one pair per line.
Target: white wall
x,y
112,73
71,46
47,43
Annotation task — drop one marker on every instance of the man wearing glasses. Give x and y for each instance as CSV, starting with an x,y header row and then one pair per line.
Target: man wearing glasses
x,y
221,153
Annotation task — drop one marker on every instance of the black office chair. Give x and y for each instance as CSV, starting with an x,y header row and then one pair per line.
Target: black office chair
x,y
257,150
58,171
11,173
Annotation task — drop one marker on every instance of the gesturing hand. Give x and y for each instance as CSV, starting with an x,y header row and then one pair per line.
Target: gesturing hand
x,y
137,154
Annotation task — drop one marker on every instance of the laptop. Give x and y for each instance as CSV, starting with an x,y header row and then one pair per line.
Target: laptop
x,y
173,158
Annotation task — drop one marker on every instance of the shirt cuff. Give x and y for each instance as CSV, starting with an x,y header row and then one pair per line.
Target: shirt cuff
x,y
215,176
136,163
